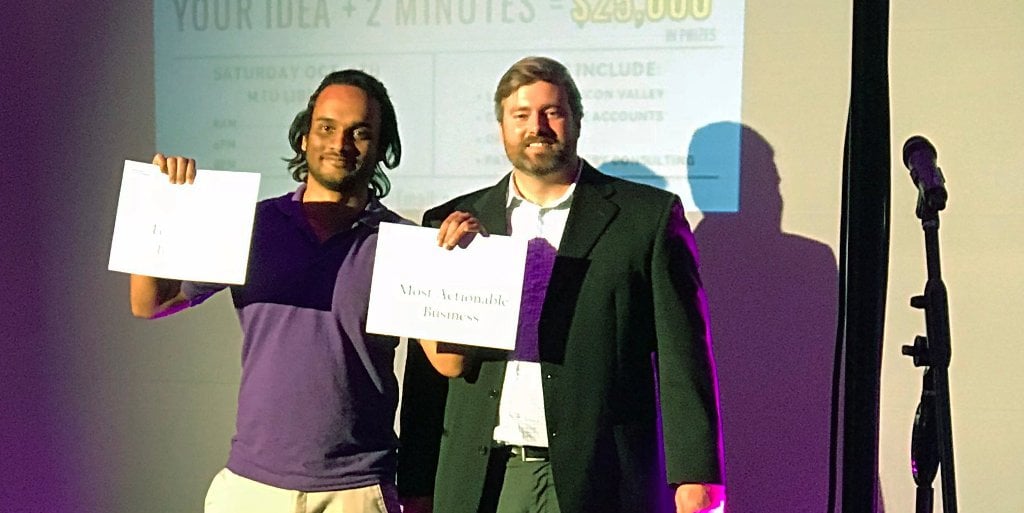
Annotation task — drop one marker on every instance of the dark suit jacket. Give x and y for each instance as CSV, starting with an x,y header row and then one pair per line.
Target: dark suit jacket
x,y
623,343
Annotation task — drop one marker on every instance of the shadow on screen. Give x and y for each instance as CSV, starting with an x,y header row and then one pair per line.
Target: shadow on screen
x,y
773,303
634,172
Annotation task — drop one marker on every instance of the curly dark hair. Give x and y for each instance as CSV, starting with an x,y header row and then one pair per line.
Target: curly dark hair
x,y
389,139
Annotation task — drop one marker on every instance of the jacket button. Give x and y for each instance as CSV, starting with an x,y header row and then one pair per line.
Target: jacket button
x,y
482,450
554,434
493,394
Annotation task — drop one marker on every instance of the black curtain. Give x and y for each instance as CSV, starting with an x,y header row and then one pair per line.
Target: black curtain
x,y
864,254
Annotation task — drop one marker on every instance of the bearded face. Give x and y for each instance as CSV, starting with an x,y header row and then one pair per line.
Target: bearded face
x,y
538,129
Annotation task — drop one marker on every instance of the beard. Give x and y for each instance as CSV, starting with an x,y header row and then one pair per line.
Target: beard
x,y
555,157
342,180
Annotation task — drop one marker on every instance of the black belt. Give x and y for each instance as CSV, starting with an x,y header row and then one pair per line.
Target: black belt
x,y
527,453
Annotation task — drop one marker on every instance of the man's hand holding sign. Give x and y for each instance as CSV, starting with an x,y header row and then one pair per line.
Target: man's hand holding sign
x,y
421,290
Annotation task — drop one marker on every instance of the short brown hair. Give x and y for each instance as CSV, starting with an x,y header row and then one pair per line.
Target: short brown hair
x,y
537,69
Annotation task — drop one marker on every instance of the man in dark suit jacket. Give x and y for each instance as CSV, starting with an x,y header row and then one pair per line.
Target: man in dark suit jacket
x,y
609,402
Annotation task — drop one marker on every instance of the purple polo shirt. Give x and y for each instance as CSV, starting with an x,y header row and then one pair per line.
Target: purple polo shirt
x,y
317,400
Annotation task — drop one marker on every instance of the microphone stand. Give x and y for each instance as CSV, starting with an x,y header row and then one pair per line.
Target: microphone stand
x,y
932,440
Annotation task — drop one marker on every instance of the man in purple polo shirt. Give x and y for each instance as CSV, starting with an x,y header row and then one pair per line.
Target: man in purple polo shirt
x,y
318,395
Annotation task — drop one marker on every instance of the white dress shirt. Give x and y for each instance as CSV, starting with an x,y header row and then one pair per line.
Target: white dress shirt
x,y
521,418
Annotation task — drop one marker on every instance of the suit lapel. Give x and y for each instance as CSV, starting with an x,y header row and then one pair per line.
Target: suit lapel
x,y
490,208
590,214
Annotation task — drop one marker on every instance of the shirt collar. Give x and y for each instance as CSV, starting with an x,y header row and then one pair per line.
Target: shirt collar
x,y
514,198
373,213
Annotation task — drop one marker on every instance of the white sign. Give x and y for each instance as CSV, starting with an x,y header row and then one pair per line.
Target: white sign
x,y
466,295
196,232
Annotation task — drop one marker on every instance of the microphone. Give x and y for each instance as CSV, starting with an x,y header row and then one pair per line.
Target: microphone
x,y
919,157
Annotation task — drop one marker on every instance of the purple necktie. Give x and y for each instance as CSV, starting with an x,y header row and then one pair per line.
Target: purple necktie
x,y
540,259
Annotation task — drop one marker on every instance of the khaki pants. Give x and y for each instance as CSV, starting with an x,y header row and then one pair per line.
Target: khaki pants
x,y
231,493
